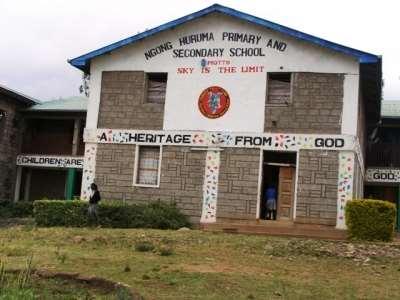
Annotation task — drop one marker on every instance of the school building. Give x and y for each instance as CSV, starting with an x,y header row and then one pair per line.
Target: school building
x,y
209,109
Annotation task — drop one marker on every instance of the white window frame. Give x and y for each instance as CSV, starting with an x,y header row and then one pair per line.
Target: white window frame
x,y
136,167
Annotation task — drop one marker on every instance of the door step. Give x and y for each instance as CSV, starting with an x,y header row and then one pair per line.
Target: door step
x,y
279,229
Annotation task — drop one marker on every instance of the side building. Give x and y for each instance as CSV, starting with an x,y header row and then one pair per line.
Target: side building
x,y
11,105
50,159
382,180
210,109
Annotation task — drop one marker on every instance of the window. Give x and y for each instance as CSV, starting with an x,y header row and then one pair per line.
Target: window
x,y
147,166
279,88
156,87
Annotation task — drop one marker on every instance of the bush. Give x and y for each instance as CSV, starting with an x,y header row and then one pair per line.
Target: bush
x,y
113,214
144,246
166,250
21,209
60,213
370,219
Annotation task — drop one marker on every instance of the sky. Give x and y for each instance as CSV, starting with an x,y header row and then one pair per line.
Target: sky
x,y
37,37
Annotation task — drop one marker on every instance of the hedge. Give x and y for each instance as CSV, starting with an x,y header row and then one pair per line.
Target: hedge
x,y
21,209
370,219
113,214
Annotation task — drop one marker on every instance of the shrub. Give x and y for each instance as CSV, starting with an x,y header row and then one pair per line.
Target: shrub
x,y
60,213
113,214
144,246
166,250
370,219
21,209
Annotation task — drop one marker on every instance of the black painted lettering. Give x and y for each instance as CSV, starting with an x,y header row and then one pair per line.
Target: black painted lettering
x,y
169,139
132,137
238,139
248,140
319,142
177,138
186,139
339,143
141,138
103,137
267,141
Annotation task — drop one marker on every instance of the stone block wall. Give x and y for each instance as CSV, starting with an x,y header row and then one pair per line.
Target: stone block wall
x,y
316,106
9,146
358,180
182,173
123,102
238,183
317,189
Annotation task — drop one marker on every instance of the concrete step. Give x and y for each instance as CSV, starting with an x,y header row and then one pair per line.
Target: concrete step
x,y
278,228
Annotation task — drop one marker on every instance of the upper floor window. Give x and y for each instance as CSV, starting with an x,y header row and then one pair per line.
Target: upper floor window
x,y
156,87
279,88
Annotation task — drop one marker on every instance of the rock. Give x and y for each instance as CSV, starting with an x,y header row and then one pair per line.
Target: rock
x,y
184,229
78,239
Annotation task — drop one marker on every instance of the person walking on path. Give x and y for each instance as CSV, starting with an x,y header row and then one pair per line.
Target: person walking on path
x,y
94,199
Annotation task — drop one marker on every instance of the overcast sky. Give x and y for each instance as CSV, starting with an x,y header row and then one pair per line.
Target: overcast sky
x,y
37,37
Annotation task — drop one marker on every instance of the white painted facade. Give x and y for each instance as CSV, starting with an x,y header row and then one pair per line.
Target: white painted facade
x,y
246,112
247,92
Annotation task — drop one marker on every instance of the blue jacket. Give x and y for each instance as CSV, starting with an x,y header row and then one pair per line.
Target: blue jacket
x,y
270,193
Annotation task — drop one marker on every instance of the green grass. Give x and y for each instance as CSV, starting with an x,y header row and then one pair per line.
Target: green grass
x,y
50,289
202,265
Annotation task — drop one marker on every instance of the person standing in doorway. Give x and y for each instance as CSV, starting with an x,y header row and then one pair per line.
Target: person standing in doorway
x,y
270,202
94,199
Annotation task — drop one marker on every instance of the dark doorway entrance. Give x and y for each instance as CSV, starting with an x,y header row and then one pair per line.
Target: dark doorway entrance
x,y
279,173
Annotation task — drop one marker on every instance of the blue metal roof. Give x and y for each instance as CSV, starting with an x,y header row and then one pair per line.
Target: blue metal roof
x,y
83,62
71,104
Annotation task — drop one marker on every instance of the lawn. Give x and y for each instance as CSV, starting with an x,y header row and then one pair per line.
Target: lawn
x,y
202,265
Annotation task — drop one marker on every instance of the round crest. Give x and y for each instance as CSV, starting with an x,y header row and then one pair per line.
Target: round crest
x,y
214,102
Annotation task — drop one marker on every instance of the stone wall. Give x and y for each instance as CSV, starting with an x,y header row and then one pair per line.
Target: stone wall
x,y
317,189
362,126
238,183
358,180
9,146
315,107
182,173
123,102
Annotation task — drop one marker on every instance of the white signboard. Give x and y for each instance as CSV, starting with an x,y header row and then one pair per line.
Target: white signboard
x,y
273,141
384,175
50,161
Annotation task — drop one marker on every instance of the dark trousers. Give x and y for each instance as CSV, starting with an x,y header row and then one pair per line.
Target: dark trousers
x,y
271,214
92,212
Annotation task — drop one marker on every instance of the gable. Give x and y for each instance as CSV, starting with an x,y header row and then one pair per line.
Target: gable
x,y
83,62
218,50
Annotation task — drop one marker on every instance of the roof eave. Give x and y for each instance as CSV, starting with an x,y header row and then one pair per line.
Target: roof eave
x,y
83,62
24,99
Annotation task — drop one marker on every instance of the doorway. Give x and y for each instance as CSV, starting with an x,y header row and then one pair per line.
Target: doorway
x,y
278,181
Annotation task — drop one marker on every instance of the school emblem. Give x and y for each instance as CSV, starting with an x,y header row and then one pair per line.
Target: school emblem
x,y
214,102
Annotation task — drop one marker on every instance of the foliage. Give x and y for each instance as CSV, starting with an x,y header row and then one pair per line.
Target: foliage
x,y
18,288
166,250
144,246
112,214
370,219
26,285
60,213
21,209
